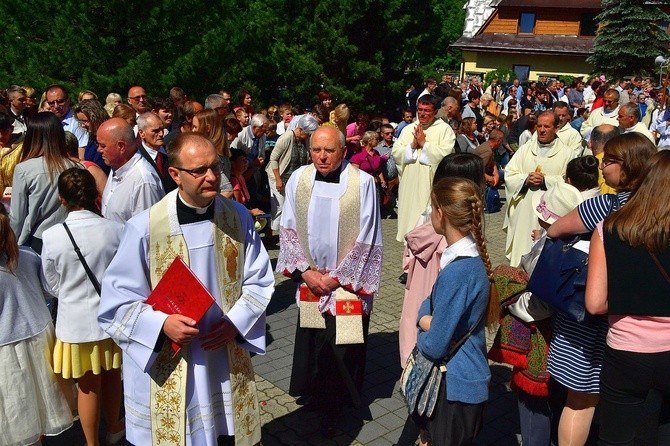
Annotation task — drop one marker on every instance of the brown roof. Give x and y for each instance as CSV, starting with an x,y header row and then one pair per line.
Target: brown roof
x,y
573,4
511,43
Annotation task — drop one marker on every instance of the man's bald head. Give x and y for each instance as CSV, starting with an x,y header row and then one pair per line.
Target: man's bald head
x,y
183,140
600,135
137,98
116,142
327,149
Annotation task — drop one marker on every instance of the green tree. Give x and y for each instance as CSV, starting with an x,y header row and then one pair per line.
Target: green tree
x,y
629,38
365,52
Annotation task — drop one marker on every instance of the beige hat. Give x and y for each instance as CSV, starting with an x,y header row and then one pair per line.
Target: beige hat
x,y
556,202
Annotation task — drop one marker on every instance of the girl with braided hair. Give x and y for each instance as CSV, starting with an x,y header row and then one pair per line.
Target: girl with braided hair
x,y
464,299
75,255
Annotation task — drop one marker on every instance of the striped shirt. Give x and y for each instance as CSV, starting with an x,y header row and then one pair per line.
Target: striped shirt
x,y
594,210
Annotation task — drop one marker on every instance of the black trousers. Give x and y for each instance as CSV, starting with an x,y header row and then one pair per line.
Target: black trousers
x,y
626,380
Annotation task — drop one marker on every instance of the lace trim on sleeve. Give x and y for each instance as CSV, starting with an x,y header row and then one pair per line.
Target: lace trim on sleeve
x,y
361,269
291,256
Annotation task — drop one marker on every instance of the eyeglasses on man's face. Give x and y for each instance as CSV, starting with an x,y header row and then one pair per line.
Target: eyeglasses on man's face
x,y
198,172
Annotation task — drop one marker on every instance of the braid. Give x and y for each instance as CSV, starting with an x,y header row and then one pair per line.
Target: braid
x,y
77,187
493,306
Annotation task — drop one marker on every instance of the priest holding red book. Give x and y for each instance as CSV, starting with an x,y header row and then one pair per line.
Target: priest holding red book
x,y
205,393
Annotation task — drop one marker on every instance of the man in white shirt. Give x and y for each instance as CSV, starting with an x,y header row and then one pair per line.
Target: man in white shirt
x,y
607,114
133,184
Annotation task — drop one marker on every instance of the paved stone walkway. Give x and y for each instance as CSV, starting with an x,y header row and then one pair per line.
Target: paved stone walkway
x,y
380,419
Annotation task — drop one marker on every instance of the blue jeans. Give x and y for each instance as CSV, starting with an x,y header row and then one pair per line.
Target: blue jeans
x,y
534,419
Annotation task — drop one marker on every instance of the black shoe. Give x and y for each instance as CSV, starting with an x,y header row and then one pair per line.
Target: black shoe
x,y
403,278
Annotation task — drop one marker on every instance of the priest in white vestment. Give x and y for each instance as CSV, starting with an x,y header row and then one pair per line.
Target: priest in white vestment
x,y
534,168
629,121
331,243
216,238
569,136
607,114
417,152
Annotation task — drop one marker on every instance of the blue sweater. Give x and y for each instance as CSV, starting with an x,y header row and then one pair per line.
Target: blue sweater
x,y
460,297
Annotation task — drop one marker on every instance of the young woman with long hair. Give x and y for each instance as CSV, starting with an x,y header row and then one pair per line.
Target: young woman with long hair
x,y
464,298
32,402
34,205
577,349
628,280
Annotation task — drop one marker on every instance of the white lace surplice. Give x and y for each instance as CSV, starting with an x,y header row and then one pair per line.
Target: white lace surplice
x,y
360,270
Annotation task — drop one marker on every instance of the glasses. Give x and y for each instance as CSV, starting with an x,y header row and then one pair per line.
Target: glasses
x,y
388,133
139,98
201,171
57,101
608,160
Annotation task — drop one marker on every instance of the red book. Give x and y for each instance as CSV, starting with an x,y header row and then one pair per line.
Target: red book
x,y
180,292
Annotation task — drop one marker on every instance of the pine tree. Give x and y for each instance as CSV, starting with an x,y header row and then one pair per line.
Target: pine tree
x,y
629,38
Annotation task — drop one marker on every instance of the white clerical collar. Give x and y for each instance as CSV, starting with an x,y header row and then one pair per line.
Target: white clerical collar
x,y
198,210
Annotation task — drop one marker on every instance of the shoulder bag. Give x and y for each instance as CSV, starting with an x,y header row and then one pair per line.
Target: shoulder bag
x,y
559,278
421,378
89,273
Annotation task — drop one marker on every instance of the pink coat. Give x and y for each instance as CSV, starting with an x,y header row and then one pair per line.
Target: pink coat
x,y
421,262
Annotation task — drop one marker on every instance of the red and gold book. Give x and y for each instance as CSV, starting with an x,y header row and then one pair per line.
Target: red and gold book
x,y
180,292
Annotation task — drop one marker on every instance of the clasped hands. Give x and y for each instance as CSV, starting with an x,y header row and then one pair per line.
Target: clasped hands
x,y
535,179
182,330
319,283
419,138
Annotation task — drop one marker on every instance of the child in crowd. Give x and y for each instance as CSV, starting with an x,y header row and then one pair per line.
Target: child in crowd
x,y
83,351
32,403
463,300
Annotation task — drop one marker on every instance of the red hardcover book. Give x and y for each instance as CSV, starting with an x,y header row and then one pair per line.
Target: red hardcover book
x,y
180,292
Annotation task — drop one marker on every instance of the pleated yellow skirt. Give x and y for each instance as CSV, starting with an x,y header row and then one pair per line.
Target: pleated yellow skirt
x,y
74,360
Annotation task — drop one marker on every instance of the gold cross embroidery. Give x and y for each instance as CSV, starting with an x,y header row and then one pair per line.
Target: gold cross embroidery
x,y
347,307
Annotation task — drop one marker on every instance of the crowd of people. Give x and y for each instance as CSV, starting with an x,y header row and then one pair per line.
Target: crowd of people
x,y
99,200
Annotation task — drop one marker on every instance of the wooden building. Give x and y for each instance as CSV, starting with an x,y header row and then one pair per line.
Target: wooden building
x,y
532,37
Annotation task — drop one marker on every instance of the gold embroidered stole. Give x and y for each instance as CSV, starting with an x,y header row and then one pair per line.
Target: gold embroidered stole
x,y
349,327
169,375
